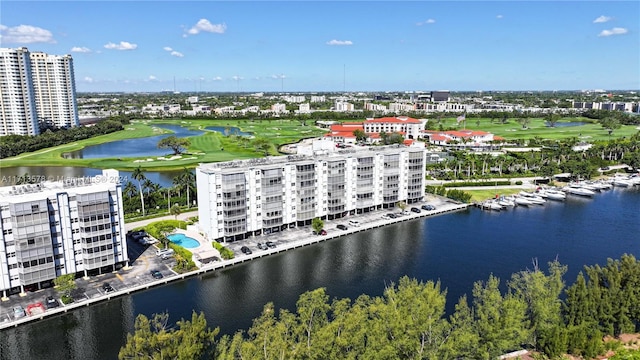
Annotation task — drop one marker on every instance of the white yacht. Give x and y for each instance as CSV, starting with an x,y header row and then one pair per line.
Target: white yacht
x,y
521,200
578,191
553,194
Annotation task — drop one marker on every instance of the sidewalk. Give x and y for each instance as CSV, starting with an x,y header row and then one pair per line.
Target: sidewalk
x,y
183,216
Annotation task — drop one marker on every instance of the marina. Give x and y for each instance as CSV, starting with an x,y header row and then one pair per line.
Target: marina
x,y
541,194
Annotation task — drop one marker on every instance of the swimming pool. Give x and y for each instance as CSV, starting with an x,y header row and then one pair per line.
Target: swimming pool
x,y
183,240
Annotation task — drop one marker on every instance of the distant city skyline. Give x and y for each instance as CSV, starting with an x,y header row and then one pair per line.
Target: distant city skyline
x,y
274,46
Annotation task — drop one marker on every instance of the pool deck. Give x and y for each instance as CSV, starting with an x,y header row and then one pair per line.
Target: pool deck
x,y
205,250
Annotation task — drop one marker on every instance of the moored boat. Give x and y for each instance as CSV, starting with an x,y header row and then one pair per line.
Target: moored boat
x,y
578,191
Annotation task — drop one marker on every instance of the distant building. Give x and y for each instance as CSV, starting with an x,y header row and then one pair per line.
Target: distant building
x,y
400,107
440,96
36,80
375,107
192,99
57,228
343,106
463,139
320,98
245,198
294,98
279,108
304,108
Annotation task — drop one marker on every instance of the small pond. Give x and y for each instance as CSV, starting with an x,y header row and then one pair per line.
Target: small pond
x,y
228,130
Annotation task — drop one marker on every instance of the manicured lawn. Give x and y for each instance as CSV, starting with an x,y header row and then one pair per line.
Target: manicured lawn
x,y
211,146
512,130
486,194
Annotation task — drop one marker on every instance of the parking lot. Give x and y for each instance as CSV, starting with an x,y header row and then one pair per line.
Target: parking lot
x,y
92,288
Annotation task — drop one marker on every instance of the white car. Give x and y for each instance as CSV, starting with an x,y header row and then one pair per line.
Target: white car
x,y
354,223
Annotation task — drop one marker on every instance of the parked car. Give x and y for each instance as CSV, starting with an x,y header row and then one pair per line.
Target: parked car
x,y
341,227
354,223
18,312
156,274
107,287
51,302
270,244
386,216
415,210
323,232
262,246
164,252
392,216
405,212
245,250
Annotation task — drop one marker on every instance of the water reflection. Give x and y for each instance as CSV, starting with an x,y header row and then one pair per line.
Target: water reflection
x,y
9,175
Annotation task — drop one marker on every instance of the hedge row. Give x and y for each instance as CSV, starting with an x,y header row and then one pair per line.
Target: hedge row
x,y
225,252
476,183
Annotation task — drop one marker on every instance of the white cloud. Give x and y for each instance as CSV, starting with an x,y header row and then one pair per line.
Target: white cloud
x,y
151,78
177,54
25,34
124,45
602,19
236,77
217,78
80,49
499,16
281,76
88,79
166,48
339,42
614,31
428,21
204,25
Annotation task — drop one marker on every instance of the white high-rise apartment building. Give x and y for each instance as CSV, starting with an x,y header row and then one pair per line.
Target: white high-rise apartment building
x,y
56,228
36,88
17,97
243,198
55,89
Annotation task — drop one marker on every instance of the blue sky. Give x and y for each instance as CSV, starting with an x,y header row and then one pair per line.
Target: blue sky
x,y
331,46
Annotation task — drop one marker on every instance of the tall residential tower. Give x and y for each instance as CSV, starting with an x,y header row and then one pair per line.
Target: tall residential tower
x,y
36,88
17,97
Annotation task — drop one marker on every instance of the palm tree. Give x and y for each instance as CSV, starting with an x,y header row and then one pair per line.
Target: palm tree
x,y
139,176
188,180
129,189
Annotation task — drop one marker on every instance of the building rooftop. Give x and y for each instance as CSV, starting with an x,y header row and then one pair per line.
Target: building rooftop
x,y
74,185
268,162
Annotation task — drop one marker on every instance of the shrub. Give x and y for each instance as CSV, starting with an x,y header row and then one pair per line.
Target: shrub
x,y
225,252
518,182
66,299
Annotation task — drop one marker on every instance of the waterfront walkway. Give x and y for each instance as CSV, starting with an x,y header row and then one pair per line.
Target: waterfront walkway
x,y
138,278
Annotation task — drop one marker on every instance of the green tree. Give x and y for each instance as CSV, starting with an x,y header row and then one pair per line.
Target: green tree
x,y
155,339
263,145
552,118
138,175
402,205
541,293
65,284
178,145
360,135
317,224
610,124
175,211
500,322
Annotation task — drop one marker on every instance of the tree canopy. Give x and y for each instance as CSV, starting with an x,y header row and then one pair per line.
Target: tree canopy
x,y
178,145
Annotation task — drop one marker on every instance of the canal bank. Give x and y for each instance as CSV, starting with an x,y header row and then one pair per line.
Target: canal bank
x,y
135,279
457,250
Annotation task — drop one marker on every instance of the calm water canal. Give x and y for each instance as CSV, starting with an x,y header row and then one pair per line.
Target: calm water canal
x,y
457,249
